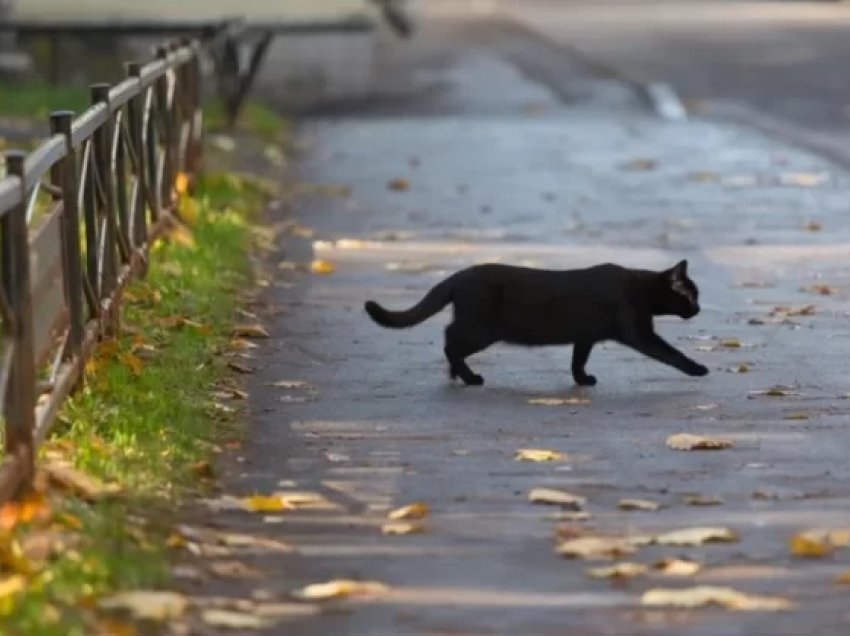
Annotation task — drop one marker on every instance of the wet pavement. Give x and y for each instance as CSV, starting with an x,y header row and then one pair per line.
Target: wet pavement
x,y
508,150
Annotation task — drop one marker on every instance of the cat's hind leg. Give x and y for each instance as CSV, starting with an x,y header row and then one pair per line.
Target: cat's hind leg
x,y
581,353
462,342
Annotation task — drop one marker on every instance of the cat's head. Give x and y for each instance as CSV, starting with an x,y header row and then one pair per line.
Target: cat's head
x,y
678,294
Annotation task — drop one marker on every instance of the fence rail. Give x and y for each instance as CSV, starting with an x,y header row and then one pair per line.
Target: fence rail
x,y
77,217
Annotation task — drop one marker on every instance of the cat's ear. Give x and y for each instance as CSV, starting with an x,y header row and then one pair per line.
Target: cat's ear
x,y
679,272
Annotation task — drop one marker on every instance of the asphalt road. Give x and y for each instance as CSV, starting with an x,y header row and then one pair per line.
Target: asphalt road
x,y
782,60
509,150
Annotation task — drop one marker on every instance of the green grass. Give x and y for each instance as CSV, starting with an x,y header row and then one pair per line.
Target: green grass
x,y
29,100
145,428
254,118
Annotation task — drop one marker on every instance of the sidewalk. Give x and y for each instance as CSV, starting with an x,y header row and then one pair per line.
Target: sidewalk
x,y
573,173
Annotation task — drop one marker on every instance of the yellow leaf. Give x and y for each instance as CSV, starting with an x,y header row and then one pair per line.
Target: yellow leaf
x,y
705,595
319,266
774,391
556,498
63,475
809,546
844,578
548,401
261,503
189,210
595,548
340,588
398,184
182,236
230,619
402,527
696,536
803,179
181,182
538,455
702,500
252,330
624,570
147,604
12,585
416,510
132,362
677,567
730,343
688,442
797,416
637,504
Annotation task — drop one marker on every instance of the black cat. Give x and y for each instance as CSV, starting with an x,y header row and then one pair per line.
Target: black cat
x,y
525,306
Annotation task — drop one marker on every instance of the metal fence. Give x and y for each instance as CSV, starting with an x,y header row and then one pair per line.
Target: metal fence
x,y
77,218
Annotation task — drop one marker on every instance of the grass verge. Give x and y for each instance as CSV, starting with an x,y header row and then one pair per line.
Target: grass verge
x,y
148,420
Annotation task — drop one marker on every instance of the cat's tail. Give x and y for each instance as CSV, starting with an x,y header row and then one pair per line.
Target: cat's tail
x,y
439,296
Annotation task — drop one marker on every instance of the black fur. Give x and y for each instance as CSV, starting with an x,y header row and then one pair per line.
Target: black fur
x,y
582,307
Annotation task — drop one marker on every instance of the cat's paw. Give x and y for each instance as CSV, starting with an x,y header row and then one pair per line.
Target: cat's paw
x,y
473,380
586,380
697,370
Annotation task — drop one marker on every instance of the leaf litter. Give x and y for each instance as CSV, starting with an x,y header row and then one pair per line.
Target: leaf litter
x,y
689,442
555,497
538,455
706,595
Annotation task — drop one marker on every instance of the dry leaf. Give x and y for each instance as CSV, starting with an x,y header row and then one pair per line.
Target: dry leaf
x,y
730,343
27,509
696,536
340,588
241,368
66,477
538,455
402,527
416,510
821,289
637,504
556,497
254,330
263,503
230,619
624,570
702,500
595,548
706,595
688,442
547,401
641,164
796,416
844,578
677,567
398,184
818,543
292,384
319,266
570,515
803,179
704,176
774,391
234,569
739,368
152,605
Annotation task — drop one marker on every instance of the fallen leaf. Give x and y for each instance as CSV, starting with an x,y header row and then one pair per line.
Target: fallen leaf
x,y
319,266
556,498
702,500
63,475
131,361
796,416
547,401
704,176
705,595
234,569
402,527
230,619
844,578
398,184
595,548
624,570
25,510
240,344
340,588
637,504
818,543
570,515
241,368
152,605
263,503
202,469
538,455
253,330
739,368
821,289
181,235
730,343
688,442
696,536
416,510
291,384
677,567
640,164
12,585
774,391
803,179
181,183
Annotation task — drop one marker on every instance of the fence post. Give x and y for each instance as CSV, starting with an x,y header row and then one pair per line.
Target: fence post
x,y
135,125
20,394
166,118
105,202
194,113
65,178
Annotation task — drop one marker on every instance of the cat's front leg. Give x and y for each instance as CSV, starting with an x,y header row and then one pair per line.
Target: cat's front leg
x,y
654,346
581,353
